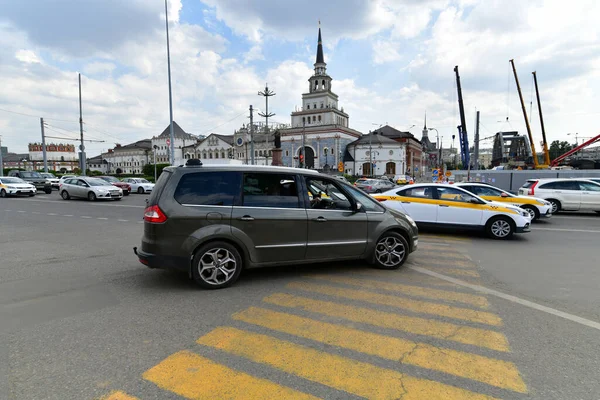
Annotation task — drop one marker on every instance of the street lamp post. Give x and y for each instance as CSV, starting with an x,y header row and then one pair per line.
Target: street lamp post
x,y
155,148
172,135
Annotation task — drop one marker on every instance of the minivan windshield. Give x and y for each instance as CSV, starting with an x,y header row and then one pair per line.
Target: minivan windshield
x,y
28,174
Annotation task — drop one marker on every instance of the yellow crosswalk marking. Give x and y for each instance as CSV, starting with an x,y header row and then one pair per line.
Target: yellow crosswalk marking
x,y
439,262
195,377
460,272
352,376
497,373
437,294
420,326
118,395
440,254
402,302
407,275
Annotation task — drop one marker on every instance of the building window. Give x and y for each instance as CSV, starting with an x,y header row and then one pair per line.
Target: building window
x,y
287,153
255,153
222,154
320,117
216,154
204,155
314,118
322,102
315,105
209,155
308,106
308,121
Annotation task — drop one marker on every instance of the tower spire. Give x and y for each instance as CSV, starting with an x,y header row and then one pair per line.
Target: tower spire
x,y
320,58
425,126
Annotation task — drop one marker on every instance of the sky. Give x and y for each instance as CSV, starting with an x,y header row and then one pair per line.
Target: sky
x,y
391,62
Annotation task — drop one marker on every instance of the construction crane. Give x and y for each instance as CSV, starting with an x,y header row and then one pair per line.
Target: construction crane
x,y
536,164
544,141
463,138
560,158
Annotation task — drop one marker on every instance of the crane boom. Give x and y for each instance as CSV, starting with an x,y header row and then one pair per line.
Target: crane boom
x,y
583,145
462,128
544,141
531,143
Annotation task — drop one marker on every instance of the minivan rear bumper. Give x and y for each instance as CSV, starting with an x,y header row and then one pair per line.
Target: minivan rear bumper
x,y
162,262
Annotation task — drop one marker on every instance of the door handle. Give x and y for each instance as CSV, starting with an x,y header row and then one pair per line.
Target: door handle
x,y
320,219
246,218
443,205
406,202
557,191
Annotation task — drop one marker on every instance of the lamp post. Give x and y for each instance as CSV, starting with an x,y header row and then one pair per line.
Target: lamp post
x,y
155,148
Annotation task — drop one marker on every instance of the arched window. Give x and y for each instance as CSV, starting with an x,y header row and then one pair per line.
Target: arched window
x,y
319,118
204,155
210,155
323,83
314,118
308,106
216,154
255,153
222,154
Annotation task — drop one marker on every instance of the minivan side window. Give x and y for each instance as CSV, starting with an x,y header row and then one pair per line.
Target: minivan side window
x,y
208,188
270,190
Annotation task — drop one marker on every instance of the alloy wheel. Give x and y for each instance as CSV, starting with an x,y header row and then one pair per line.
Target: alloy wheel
x,y
500,228
554,206
217,266
390,251
531,212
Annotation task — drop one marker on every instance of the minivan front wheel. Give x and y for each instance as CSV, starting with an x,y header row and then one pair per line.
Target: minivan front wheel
x,y
391,251
216,265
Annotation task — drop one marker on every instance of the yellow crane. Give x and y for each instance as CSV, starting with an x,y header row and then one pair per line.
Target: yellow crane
x,y
536,164
544,141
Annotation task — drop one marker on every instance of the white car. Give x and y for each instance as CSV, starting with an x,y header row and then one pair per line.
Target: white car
x,y
565,194
538,208
11,186
449,206
139,185
54,181
89,188
64,178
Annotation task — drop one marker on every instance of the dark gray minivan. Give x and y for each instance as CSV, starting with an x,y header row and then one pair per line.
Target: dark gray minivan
x,y
212,221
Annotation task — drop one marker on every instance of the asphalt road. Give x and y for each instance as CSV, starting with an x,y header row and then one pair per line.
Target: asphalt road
x,y
82,318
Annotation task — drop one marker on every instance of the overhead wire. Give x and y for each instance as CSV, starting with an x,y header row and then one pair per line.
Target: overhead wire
x,y
224,123
36,116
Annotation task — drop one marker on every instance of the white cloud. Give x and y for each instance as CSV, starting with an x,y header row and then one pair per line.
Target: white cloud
x,y
386,51
27,56
98,68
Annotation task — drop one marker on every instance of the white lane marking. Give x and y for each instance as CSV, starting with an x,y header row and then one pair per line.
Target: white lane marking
x,y
102,218
7,210
85,216
140,222
36,212
95,205
123,220
67,215
564,230
574,218
21,211
51,214
514,299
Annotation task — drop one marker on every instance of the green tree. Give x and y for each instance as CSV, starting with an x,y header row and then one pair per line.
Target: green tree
x,y
558,148
148,169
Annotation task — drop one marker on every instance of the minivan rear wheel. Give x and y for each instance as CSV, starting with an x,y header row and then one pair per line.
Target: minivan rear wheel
x,y
391,251
216,265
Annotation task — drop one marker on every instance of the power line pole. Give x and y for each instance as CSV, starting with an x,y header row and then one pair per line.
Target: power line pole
x,y
81,146
303,144
172,135
266,93
44,146
370,154
251,136
476,148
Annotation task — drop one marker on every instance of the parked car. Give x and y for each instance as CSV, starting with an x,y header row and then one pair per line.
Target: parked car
x,y
12,186
222,218
65,177
34,178
124,186
341,178
139,185
54,181
536,207
89,188
565,194
402,179
375,185
448,206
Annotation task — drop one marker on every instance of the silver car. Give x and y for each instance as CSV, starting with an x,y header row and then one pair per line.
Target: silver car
x,y
375,185
89,188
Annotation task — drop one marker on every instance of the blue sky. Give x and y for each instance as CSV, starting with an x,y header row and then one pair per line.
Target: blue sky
x,y
391,60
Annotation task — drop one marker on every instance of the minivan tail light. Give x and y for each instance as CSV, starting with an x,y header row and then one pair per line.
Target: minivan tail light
x,y
154,214
531,190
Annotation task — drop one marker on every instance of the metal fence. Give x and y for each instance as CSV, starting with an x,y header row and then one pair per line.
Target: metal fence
x,y
512,180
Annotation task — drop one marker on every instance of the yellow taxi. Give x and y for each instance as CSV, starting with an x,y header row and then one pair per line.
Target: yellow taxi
x,y
536,207
442,205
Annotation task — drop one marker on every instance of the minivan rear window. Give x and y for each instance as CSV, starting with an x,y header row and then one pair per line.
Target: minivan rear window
x,y
208,188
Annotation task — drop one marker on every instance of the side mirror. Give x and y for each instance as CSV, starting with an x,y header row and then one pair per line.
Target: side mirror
x,y
357,207
503,195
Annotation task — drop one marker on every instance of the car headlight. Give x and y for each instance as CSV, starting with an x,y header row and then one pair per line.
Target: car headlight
x,y
11,187
410,220
525,213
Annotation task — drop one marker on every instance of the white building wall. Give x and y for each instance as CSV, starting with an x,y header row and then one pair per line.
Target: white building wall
x,y
381,156
128,161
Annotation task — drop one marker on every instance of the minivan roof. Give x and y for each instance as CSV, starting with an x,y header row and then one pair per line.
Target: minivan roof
x,y
244,167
